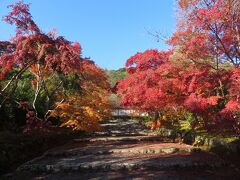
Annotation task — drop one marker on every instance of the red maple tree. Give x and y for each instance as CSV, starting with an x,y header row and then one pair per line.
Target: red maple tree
x,y
56,65
200,73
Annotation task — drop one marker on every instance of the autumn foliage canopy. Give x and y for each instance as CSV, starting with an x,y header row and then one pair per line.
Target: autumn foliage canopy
x,y
60,82
199,75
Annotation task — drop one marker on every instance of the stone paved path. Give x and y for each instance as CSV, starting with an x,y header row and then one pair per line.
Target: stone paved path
x,y
125,150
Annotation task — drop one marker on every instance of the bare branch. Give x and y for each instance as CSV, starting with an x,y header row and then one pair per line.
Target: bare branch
x,y
157,35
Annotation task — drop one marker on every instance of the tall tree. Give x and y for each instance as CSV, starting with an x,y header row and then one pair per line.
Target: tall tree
x,y
142,88
199,74
209,28
54,62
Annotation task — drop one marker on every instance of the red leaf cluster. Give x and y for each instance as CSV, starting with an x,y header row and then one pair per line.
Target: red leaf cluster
x,y
30,46
201,72
59,72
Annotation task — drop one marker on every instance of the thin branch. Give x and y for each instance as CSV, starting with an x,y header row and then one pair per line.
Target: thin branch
x,y
157,35
49,111
15,77
9,98
38,88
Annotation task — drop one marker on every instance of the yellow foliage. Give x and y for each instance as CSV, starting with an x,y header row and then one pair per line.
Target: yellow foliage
x,y
83,111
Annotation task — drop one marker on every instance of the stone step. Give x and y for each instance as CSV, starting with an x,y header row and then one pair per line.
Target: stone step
x,y
109,147
121,138
120,127
169,150
123,147
118,166
117,134
139,174
125,161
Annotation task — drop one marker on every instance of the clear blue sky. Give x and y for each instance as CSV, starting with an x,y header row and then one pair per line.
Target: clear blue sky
x,y
109,31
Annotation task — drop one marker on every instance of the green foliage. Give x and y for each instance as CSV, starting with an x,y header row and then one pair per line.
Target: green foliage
x,y
147,119
187,123
113,77
116,75
11,117
71,83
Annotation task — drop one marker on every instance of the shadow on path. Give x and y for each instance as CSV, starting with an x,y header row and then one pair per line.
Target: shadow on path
x,y
124,150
